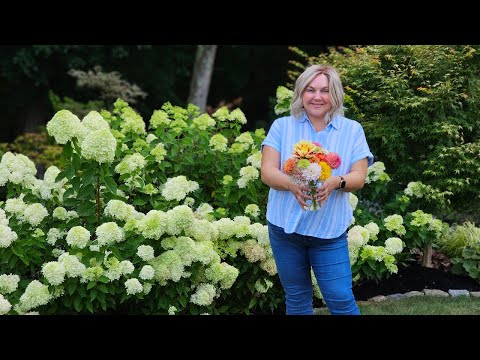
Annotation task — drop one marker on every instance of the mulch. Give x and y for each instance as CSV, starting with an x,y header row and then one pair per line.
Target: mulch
x,y
414,278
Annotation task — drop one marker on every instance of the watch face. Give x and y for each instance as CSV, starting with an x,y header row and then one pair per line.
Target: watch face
x,y
342,185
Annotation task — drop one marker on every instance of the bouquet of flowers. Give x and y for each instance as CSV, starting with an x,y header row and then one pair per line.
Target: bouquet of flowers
x,y
311,164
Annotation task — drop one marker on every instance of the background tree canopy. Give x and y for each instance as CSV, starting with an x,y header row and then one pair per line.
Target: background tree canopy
x,y
28,73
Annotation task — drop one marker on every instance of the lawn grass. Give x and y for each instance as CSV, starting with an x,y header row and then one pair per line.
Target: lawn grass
x,y
420,305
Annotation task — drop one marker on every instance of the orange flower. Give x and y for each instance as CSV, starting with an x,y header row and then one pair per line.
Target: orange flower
x,y
289,166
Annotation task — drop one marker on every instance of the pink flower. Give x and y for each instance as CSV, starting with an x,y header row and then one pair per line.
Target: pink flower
x,y
317,144
333,159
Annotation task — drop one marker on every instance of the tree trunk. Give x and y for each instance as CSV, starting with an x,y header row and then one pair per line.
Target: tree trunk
x,y
33,115
427,256
202,75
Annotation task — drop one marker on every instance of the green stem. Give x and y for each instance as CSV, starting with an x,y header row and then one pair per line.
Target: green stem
x,y
97,198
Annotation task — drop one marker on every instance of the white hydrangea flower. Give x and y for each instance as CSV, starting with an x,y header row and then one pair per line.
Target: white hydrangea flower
x,y
373,229
159,152
5,305
189,201
255,159
8,283
178,187
146,273
16,206
393,245
78,236
54,272
395,223
203,210
221,114
153,225
247,173
64,126
121,211
126,267
73,266
18,169
218,142
145,252
238,116
35,213
353,199
130,164
150,138
36,294
415,188
133,123
203,122
172,310
7,236
260,232
253,251
100,146
178,219
159,118
109,233
262,285
168,266
202,230
203,295
94,121
133,286
376,172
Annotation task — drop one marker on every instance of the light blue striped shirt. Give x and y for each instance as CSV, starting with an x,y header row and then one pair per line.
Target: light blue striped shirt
x,y
343,136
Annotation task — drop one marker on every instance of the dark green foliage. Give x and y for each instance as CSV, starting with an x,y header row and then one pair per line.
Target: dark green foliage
x,y
419,106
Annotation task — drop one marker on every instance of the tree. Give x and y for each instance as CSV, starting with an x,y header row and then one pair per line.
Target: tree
x,y
202,75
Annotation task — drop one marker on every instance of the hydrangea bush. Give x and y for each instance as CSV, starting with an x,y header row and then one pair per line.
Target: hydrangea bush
x,y
165,220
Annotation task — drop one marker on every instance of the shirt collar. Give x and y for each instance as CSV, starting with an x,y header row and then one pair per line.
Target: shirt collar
x,y
336,122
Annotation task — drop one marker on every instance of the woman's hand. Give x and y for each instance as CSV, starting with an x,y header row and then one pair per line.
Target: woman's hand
x,y
327,187
300,193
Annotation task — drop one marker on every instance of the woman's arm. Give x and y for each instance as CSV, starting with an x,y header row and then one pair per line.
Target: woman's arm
x,y
276,179
355,180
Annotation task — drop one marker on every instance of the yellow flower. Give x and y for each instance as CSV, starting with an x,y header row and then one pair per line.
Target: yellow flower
x,y
326,171
304,149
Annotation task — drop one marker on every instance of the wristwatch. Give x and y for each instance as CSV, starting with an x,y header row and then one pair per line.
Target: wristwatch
x,y
343,182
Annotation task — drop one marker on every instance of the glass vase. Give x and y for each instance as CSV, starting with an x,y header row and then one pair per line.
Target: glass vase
x,y
312,205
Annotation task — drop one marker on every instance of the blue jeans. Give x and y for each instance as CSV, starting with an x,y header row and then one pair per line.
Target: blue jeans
x,y
294,255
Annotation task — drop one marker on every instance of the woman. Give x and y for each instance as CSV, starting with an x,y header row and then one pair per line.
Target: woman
x,y
301,239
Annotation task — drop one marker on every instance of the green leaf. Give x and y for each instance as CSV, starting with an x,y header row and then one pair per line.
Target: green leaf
x,y
86,192
71,287
93,294
139,201
70,172
252,303
77,304
86,208
110,184
16,251
91,284
103,288
89,306
103,279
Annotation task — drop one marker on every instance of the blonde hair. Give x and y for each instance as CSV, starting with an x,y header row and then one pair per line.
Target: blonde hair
x,y
335,89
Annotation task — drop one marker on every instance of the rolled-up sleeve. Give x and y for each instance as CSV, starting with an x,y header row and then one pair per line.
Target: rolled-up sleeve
x,y
360,148
273,138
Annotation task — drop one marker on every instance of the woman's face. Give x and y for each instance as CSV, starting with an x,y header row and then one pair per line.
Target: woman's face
x,y
316,98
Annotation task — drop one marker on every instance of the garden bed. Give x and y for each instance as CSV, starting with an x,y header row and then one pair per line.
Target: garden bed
x,y
414,277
